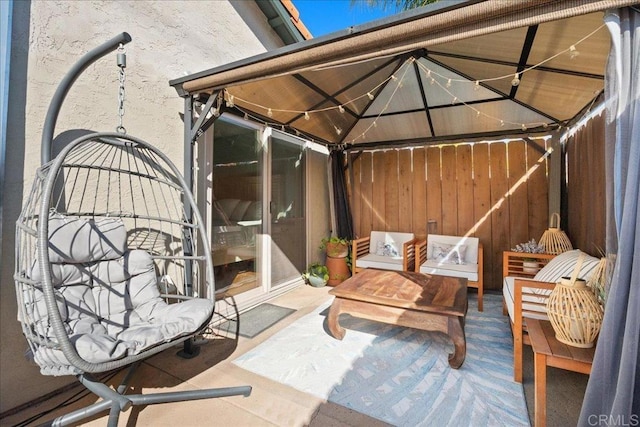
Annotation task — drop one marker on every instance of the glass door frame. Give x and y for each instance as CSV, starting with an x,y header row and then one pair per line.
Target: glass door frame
x,y
264,133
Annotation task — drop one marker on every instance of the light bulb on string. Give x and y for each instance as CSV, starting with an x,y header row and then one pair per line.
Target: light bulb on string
x,y
449,83
306,115
455,99
269,112
230,102
246,116
341,109
432,81
338,130
523,127
370,96
501,123
573,52
516,80
476,87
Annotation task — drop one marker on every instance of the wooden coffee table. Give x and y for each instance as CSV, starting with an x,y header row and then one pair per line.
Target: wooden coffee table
x,y
415,300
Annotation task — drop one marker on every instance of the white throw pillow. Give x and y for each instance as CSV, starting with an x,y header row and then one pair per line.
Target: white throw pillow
x,y
390,250
448,254
563,266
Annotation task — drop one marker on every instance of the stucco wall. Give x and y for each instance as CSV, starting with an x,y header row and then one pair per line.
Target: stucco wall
x,y
170,38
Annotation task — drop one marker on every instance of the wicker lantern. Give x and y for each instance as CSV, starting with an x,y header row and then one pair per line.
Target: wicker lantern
x,y
554,240
574,311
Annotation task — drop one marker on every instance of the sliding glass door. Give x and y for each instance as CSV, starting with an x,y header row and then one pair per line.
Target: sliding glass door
x,y
288,244
257,210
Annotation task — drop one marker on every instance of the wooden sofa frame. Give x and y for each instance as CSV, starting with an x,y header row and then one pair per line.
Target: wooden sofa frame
x,y
513,266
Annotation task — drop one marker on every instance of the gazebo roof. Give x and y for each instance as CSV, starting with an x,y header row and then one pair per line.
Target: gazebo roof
x,y
449,71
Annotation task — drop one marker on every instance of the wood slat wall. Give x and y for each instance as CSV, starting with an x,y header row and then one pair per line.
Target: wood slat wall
x,y
585,187
497,192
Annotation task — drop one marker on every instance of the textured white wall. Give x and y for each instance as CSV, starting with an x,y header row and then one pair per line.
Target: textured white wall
x,y
170,38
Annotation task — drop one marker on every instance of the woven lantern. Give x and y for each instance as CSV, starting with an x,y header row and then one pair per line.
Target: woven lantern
x,y
574,311
554,240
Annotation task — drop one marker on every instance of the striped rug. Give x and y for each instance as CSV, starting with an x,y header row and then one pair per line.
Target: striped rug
x,y
400,375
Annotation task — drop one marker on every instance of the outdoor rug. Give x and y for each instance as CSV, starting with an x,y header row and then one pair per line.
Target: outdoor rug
x,y
400,375
258,319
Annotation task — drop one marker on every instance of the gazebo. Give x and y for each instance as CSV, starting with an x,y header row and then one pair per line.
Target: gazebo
x,y
440,80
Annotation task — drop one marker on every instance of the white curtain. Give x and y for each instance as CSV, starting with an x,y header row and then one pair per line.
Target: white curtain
x,y
613,391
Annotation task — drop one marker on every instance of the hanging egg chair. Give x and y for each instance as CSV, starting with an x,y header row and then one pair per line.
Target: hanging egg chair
x,y
113,263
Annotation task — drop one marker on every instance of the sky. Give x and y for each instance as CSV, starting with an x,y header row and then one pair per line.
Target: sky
x,y
327,16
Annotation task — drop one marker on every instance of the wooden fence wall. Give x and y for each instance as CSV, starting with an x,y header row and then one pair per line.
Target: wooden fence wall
x,y
585,188
497,192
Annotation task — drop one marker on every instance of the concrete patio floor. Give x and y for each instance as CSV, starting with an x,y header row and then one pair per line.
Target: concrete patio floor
x,y
270,403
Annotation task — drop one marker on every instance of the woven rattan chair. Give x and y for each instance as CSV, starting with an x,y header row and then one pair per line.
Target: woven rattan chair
x,y
109,223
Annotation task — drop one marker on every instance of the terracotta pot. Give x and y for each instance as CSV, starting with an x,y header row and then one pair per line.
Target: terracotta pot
x,y
337,250
338,270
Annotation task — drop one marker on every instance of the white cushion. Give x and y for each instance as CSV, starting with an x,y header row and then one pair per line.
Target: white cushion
x,y
78,240
455,244
563,266
380,261
535,311
110,307
468,271
394,240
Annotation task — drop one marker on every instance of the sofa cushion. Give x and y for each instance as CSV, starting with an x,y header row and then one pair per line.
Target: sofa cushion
x,y
223,208
253,212
468,271
240,210
563,266
534,307
380,261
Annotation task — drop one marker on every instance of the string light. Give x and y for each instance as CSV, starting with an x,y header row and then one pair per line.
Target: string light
x,y
455,99
338,130
572,50
246,116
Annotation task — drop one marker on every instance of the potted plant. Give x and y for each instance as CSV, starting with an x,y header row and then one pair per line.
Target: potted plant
x,y
530,265
316,275
335,247
337,250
